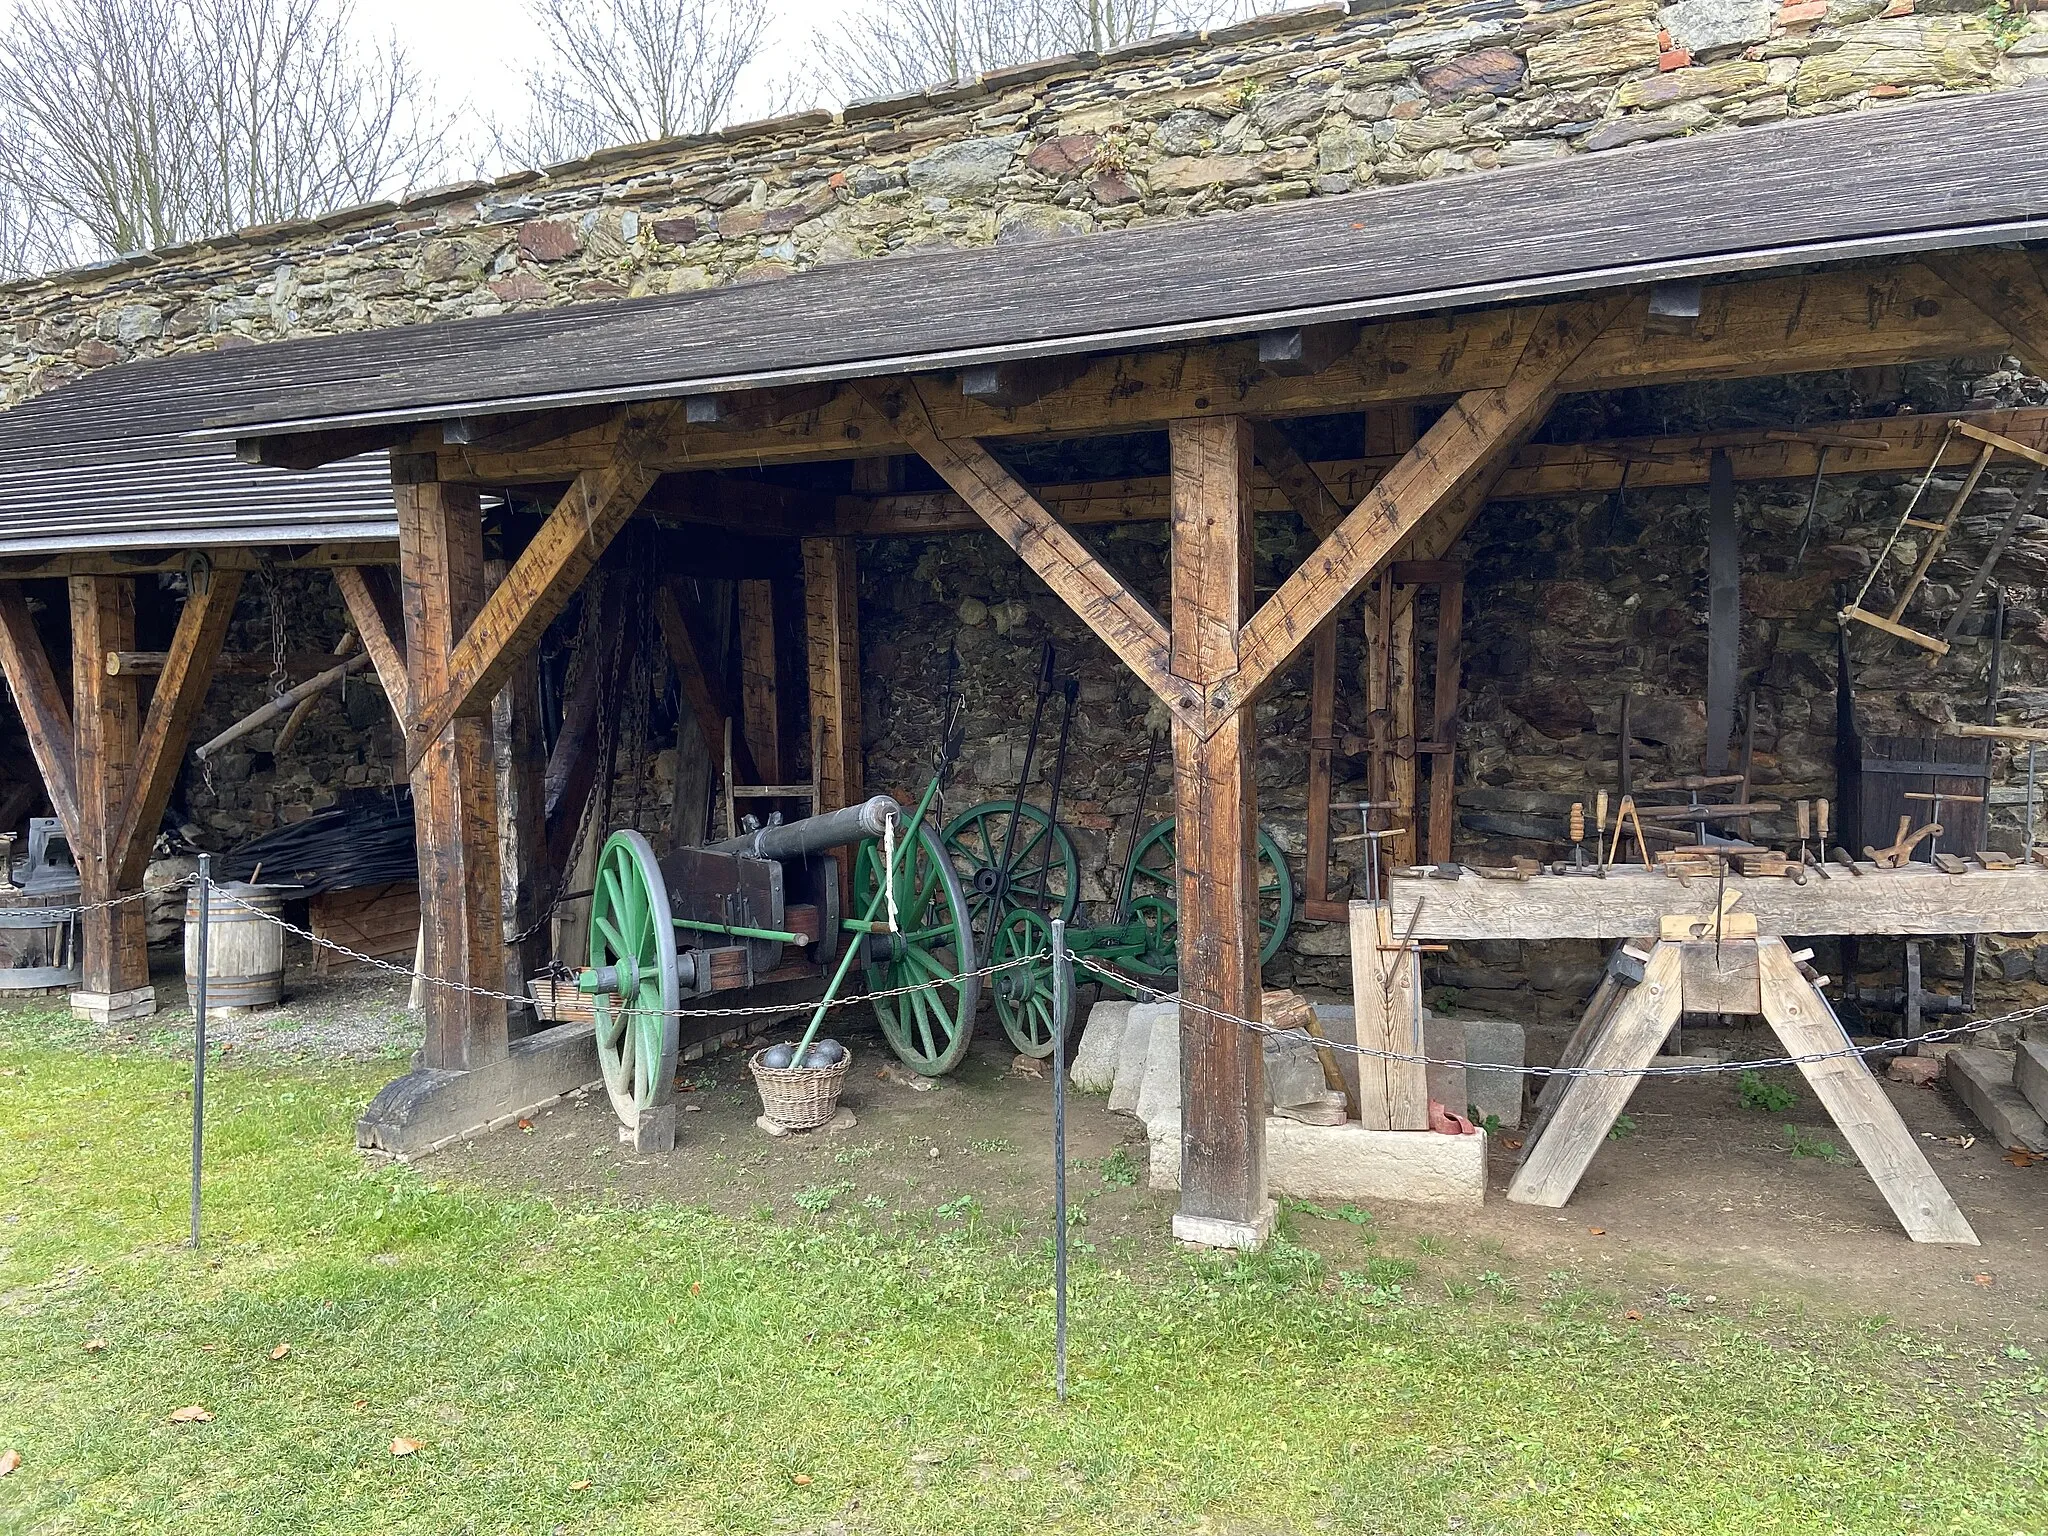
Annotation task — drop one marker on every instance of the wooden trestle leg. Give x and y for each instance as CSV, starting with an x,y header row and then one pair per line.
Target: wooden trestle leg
x,y
1625,1026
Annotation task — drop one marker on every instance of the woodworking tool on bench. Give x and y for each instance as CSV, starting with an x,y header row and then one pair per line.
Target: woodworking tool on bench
x,y
1900,852
1935,800
1600,831
1625,816
1817,864
1576,827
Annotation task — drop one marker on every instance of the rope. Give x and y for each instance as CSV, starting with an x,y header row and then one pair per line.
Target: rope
x,y
889,870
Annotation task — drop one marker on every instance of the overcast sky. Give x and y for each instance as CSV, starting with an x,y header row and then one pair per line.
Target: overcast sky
x,y
477,51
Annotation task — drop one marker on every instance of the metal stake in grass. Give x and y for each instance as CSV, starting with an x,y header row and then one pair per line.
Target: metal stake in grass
x,y
1062,1002
199,1034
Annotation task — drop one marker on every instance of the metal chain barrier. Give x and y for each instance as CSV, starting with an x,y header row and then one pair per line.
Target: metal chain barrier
x,y
1703,1070
755,1010
115,901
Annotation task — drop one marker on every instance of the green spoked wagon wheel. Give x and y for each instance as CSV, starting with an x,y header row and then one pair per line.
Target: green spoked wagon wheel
x,y
1045,879
932,955
1024,989
1152,890
633,956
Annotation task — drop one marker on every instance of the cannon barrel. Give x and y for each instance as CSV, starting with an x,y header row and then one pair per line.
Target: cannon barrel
x,y
815,834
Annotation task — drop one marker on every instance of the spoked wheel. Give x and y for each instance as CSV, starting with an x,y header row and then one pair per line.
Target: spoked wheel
x,y
1152,890
974,841
633,950
930,1025
1024,990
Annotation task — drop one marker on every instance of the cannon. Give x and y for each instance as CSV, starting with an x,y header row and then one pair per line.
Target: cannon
x,y
763,908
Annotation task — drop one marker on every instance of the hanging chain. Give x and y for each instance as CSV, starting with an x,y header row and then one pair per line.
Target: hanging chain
x,y
273,598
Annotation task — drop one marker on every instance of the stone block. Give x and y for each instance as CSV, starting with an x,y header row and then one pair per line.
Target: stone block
x,y
1214,1232
105,1008
1496,1087
1699,25
1915,1071
655,1130
2030,1075
1102,1038
1135,1050
1349,1162
428,1108
1983,1080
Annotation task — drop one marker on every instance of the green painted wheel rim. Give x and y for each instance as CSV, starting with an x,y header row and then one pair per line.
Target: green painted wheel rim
x,y
930,1026
974,842
1152,890
1024,991
631,927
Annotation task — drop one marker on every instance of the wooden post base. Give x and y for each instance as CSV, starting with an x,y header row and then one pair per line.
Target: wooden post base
x,y
1624,1027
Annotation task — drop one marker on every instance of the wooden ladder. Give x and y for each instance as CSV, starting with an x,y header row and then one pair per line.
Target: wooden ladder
x,y
1990,445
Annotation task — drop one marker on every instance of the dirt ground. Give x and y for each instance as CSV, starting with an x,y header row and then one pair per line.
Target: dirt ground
x,y
1702,1198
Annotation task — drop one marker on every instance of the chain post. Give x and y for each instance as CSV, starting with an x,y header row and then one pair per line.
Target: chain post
x,y
1062,1005
199,1031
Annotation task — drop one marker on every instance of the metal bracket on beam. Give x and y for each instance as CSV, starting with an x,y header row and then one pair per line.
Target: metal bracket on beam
x,y
753,409
1674,308
1306,349
1024,382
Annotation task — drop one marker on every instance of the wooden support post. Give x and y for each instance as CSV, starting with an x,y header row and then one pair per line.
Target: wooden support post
x,y
1322,743
1443,763
1223,1083
832,633
454,779
45,714
1401,779
760,710
526,880
107,718
1386,995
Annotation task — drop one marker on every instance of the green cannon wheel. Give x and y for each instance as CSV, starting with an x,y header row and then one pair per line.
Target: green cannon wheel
x,y
1152,889
633,947
974,842
1024,991
932,954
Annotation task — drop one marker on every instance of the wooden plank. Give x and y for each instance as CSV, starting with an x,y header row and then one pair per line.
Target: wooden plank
x,y
1533,471
2005,285
1895,629
578,762
454,781
760,707
1297,480
696,655
1855,1099
107,727
526,879
152,562
1634,1028
1322,727
1917,901
180,691
1592,1023
1386,1000
1120,618
373,607
1443,763
541,581
1223,1094
2004,444
832,648
1473,430
1401,779
45,713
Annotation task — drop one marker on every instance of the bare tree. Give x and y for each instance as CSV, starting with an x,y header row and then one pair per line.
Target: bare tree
x,y
892,46
140,123
627,71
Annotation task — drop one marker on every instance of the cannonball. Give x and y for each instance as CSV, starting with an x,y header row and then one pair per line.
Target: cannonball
x,y
776,1057
825,1053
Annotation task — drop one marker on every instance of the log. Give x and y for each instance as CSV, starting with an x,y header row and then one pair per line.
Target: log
x,y
283,704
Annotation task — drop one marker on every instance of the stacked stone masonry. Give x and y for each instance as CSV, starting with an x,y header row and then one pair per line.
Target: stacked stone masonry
x,y
1298,104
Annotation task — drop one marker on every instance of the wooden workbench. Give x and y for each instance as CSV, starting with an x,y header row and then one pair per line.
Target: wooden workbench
x,y
1917,900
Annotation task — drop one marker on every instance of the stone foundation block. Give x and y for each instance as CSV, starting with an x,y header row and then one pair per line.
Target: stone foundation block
x,y
429,1108
1983,1080
114,1007
2030,1075
1214,1232
1102,1038
1349,1162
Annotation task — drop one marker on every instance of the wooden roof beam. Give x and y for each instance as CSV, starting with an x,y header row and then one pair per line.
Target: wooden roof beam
x,y
44,713
2010,286
541,581
1857,447
1845,317
309,450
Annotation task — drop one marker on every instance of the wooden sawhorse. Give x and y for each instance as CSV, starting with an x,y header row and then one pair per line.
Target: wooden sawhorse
x,y
1626,1024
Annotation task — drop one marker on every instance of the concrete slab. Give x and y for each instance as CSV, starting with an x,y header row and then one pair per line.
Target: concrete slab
x,y
1983,1080
427,1109
2030,1075
1102,1038
1349,1162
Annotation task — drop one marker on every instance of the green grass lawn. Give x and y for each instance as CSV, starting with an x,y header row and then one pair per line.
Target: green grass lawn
x,y
819,1366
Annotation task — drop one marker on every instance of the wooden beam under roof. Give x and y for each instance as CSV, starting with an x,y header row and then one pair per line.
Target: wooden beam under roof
x,y
233,557
1536,470
1842,317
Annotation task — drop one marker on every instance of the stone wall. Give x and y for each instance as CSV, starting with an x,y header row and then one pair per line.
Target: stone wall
x,y
1294,105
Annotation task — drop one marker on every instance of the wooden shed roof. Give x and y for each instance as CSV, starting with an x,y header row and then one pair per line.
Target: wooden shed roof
x,y
1906,178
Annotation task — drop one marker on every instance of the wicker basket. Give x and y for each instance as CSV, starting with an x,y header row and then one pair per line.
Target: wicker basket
x,y
799,1098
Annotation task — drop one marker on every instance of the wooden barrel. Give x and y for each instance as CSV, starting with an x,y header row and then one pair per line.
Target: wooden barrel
x,y
245,949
